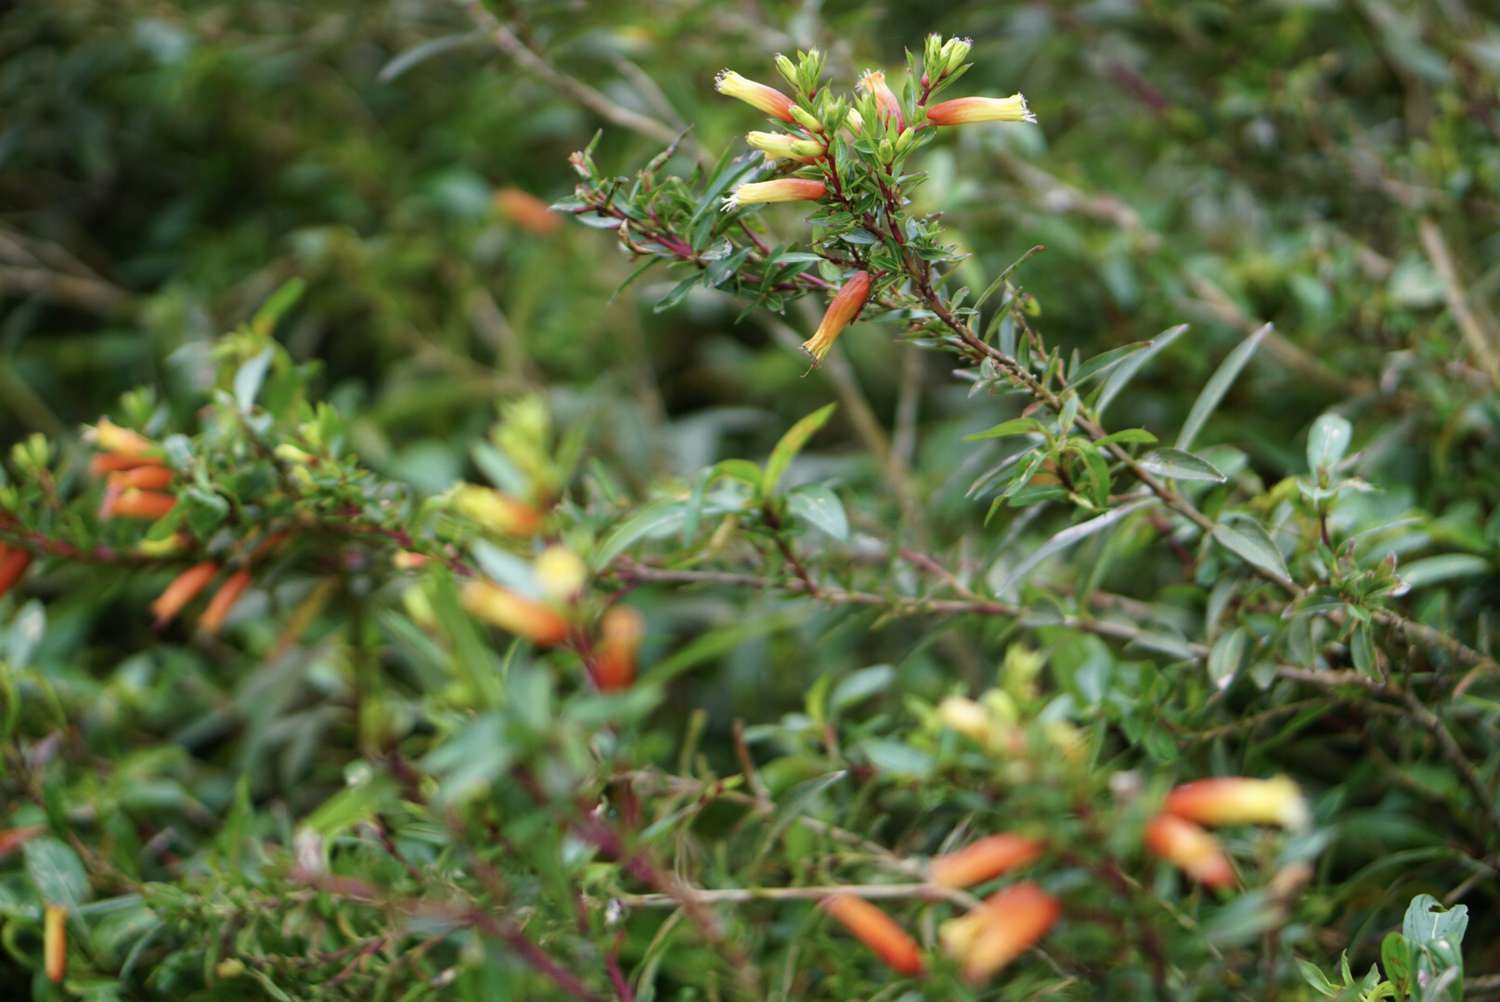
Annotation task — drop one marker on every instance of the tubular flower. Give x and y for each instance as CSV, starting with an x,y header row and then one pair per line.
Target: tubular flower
x,y
224,599
874,928
112,438
183,589
1008,924
841,312
13,564
145,477
1194,850
539,623
496,511
969,110
526,211
873,82
136,503
985,860
560,572
766,99
781,146
783,189
1239,801
620,633
109,462
55,942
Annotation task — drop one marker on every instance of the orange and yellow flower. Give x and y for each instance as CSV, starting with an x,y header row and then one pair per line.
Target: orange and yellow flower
x,y
223,601
620,633
876,930
985,859
1010,922
136,503
536,621
496,511
183,589
526,211
758,95
1183,843
841,312
782,146
970,110
782,189
873,82
1236,800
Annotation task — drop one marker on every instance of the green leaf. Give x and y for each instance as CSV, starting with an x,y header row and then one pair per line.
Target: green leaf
x,y
656,518
1003,580
276,306
1314,976
1395,957
1007,429
1225,657
1431,570
1218,385
861,685
898,758
791,443
1179,465
353,805
1327,442
1120,375
56,871
248,378
820,507
1249,541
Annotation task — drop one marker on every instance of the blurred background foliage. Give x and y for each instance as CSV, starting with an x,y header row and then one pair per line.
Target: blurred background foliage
x,y
1331,167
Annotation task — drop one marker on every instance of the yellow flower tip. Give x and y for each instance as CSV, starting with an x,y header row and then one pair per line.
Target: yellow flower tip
x,y
971,110
967,718
842,310
872,82
782,189
758,95
110,437
560,572
1239,801
496,511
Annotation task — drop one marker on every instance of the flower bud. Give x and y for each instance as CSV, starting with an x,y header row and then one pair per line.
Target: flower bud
x,y
620,633
224,599
967,718
874,928
984,860
872,82
766,99
1194,850
496,511
526,211
537,622
854,120
1008,924
1239,801
135,503
55,942
845,306
780,146
785,189
953,54
409,560
806,119
112,438
787,69
183,589
146,477
13,563
969,110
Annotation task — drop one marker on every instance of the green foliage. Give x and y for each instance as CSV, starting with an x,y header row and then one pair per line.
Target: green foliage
x,y
531,621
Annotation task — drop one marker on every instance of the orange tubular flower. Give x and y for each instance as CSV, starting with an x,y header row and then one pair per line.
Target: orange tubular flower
x,y
874,928
541,624
122,441
109,462
970,110
1009,923
873,82
783,189
55,942
496,511
13,564
183,589
135,503
620,633
766,99
224,599
841,312
1239,801
985,860
526,211
148,477
1194,850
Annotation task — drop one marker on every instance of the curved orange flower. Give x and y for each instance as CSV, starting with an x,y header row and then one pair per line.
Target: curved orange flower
x,y
183,589
224,599
875,929
842,310
985,859
1183,843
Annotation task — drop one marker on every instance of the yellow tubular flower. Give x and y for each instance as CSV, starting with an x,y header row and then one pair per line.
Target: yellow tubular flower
x,y
757,95
780,146
785,189
1238,801
841,312
969,110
